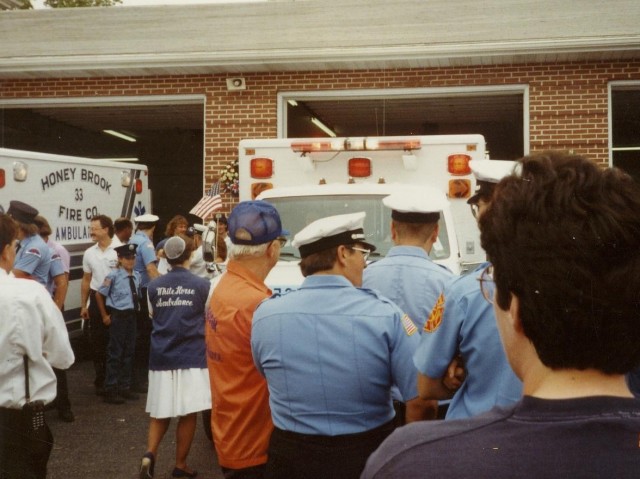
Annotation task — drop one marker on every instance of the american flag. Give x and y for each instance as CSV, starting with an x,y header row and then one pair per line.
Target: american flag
x,y
209,203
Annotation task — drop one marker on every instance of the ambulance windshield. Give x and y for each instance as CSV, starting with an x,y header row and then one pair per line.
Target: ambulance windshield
x,y
298,211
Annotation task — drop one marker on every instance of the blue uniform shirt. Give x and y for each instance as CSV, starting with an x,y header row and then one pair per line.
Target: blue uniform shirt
x,y
117,291
330,353
56,268
463,321
34,258
145,254
410,279
177,303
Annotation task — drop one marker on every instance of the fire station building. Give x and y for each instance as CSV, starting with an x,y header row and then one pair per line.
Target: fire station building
x,y
177,87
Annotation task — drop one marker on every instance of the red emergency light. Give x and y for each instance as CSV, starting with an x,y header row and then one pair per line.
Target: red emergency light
x,y
261,168
359,167
138,186
459,164
2,178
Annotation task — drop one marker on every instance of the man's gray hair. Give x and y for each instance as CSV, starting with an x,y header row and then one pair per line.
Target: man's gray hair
x,y
237,251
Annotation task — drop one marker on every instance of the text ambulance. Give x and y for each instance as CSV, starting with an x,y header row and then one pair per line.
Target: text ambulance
x,y
68,191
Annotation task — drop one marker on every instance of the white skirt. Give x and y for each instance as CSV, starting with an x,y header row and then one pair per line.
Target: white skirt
x,y
178,392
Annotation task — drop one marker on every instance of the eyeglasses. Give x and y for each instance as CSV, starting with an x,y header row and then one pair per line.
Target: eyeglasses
x,y
365,252
282,240
487,284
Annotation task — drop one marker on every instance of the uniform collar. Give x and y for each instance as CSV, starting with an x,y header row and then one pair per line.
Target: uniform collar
x,y
326,280
408,251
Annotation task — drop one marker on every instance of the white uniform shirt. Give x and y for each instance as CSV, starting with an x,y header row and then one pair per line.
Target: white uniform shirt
x,y
32,325
100,263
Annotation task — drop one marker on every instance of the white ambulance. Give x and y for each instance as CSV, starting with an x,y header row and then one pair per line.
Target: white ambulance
x,y
309,178
68,191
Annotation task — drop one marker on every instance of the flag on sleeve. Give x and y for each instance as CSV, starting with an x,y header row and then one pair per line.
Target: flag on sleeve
x,y
209,203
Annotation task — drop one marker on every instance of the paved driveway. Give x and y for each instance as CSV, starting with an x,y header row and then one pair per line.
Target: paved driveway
x,y
107,441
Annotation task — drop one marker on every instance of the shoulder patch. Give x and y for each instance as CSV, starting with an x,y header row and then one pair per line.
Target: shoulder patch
x,y
408,325
435,318
34,252
107,281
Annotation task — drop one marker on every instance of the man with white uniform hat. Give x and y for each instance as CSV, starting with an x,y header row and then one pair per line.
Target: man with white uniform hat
x,y
407,275
330,352
462,325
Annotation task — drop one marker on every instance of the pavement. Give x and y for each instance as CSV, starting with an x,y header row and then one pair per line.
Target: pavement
x,y
107,441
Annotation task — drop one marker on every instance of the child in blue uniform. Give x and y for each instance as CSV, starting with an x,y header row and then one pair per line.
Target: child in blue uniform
x,y
120,292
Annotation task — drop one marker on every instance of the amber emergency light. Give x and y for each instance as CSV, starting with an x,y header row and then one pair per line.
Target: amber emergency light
x,y
261,168
359,167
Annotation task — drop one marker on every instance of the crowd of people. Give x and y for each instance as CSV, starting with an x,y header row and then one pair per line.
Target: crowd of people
x,y
527,366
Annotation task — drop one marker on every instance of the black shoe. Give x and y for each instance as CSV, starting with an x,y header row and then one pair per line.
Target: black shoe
x,y
129,395
147,465
177,472
66,415
112,397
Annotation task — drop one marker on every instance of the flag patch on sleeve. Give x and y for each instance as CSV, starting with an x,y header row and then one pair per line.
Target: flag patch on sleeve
x,y
408,325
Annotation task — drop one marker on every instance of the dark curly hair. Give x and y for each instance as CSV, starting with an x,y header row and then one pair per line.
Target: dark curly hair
x,y
564,237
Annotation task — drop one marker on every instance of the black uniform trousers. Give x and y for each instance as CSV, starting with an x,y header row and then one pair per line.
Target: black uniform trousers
x,y
21,455
304,456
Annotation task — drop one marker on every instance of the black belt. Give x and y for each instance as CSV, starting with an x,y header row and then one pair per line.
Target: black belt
x,y
345,439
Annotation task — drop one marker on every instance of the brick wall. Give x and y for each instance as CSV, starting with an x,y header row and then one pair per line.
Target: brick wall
x,y
568,101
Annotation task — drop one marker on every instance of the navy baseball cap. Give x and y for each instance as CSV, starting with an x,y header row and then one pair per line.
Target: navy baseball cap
x,y
22,212
254,223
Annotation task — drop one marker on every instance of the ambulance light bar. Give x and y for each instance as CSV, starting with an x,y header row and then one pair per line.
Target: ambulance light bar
x,y
355,144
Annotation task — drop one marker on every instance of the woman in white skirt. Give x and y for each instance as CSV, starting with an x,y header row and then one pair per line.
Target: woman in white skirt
x,y
178,376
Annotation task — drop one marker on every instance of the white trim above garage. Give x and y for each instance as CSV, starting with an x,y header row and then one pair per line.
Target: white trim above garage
x,y
312,35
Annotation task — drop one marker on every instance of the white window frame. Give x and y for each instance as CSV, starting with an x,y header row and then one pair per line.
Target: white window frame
x,y
395,93
617,85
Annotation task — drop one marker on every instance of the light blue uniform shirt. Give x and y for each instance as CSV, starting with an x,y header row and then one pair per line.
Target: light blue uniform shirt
x,y
330,353
117,291
34,258
56,269
410,279
145,254
465,322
